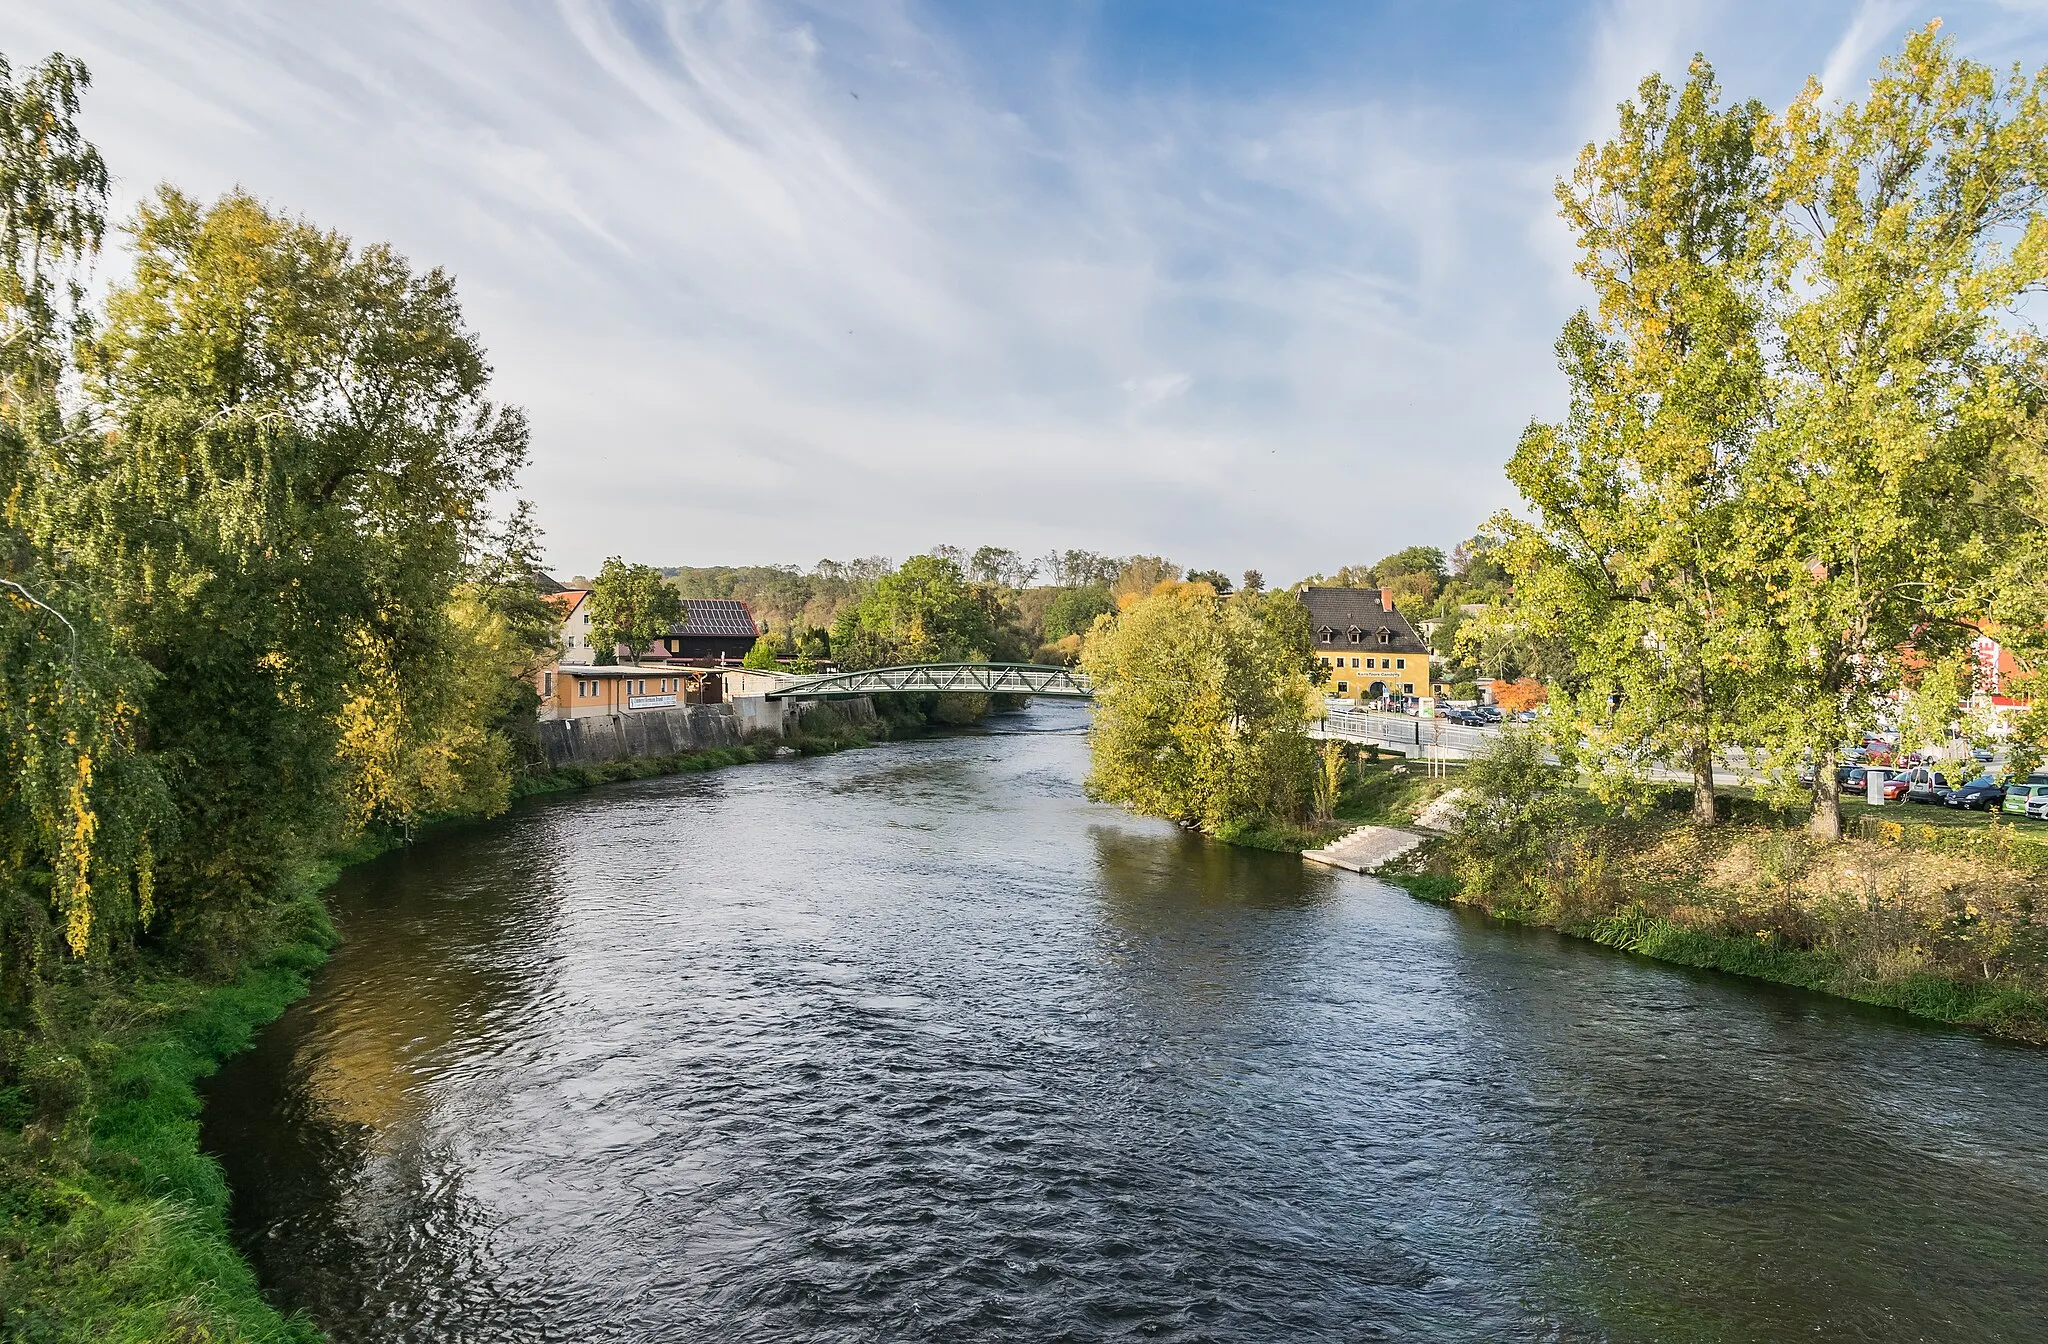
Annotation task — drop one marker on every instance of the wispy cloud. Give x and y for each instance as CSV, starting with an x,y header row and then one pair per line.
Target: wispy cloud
x,y
1875,23
780,280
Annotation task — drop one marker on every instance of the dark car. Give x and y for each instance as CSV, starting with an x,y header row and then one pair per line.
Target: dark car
x,y
1852,779
1983,791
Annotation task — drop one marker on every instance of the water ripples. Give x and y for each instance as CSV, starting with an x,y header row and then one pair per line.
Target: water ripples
x,y
917,1044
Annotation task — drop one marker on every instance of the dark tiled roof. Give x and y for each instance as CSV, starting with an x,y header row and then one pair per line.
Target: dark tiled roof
x,y
715,616
1339,611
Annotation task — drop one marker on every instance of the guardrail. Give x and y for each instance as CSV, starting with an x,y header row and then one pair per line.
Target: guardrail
x,y
1411,736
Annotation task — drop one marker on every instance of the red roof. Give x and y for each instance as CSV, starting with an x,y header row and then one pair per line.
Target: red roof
x,y
566,600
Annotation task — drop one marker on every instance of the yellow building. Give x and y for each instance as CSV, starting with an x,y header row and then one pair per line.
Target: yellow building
x,y
1373,654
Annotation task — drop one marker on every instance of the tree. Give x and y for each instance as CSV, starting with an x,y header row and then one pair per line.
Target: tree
x,y
1901,467
765,655
924,612
1413,574
1080,569
83,805
1073,610
1636,553
299,454
1001,567
1141,574
1215,578
1254,582
1202,707
631,605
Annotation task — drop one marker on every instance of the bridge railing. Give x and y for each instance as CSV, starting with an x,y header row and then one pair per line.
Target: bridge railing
x,y
975,678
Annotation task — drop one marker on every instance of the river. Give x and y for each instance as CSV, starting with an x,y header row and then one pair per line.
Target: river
x,y
914,1043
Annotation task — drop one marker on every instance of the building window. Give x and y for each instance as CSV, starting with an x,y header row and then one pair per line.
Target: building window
x,y
547,685
1400,662
1386,635
1407,688
1343,687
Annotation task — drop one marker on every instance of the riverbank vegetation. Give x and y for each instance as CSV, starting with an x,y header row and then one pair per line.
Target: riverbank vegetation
x,y
254,611
1941,920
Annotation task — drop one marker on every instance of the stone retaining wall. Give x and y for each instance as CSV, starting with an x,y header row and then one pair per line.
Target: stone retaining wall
x,y
598,738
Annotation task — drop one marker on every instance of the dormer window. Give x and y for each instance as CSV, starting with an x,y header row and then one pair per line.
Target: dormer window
x,y
1355,633
1386,635
1327,633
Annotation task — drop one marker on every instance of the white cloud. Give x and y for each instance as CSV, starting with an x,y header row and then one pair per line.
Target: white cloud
x,y
780,282
1876,22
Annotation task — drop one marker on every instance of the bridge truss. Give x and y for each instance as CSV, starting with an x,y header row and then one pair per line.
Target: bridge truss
x,y
981,678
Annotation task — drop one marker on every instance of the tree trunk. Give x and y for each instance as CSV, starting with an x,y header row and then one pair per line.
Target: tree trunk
x,y
1826,821
1702,750
1702,784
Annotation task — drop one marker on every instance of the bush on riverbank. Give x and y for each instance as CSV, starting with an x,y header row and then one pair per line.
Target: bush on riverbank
x,y
1951,929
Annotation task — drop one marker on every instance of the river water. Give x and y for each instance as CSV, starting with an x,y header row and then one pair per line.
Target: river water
x,y
914,1043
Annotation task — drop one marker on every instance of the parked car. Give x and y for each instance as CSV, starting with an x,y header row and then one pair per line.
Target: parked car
x,y
2037,807
1852,779
1983,791
1924,784
1981,755
1895,788
2020,797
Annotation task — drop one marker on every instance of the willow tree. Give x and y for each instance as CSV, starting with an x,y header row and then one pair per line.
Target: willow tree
x,y
1632,556
299,453
81,804
1900,470
1202,707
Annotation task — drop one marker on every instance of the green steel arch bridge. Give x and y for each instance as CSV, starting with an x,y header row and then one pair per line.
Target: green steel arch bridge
x,y
983,678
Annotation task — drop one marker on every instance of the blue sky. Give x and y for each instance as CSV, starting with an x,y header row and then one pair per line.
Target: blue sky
x,y
1250,285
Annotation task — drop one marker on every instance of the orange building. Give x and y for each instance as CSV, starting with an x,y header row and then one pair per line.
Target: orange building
x,y
575,691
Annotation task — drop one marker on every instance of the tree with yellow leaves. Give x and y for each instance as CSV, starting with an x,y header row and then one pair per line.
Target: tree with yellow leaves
x,y
1202,707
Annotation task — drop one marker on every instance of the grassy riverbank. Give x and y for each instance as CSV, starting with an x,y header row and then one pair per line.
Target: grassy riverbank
x,y
113,1225
1931,912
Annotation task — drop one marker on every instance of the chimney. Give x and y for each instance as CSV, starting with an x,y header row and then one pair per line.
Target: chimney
x,y
1386,599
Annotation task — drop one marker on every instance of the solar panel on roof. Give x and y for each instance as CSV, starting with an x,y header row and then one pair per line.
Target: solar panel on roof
x,y
715,616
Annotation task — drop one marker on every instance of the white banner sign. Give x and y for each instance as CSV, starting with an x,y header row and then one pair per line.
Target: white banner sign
x,y
650,701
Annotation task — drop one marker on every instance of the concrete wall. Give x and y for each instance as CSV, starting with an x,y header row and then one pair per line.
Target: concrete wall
x,y
598,738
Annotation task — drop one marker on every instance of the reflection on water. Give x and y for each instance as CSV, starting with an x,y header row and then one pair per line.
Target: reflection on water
x,y
914,1043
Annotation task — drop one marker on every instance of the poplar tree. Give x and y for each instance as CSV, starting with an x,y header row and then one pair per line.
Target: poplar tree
x,y
1901,467
1632,555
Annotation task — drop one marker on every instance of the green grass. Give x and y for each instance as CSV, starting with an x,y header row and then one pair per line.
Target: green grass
x,y
115,1224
